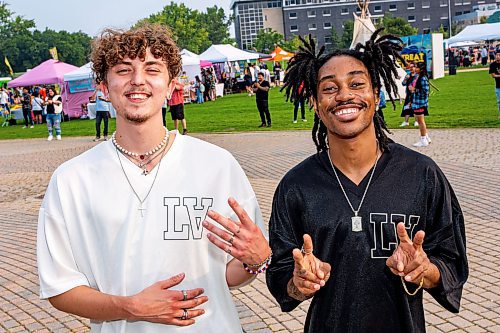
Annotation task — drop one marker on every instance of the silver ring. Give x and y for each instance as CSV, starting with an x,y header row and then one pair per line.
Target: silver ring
x,y
231,240
304,251
228,250
184,295
185,316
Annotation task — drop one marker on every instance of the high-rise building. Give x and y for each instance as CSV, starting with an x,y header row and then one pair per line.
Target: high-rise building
x,y
254,15
318,17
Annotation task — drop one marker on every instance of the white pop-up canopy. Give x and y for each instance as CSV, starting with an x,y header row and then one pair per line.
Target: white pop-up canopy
x,y
81,73
226,52
477,33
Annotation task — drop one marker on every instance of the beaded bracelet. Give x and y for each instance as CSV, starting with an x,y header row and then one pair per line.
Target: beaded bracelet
x,y
256,266
262,268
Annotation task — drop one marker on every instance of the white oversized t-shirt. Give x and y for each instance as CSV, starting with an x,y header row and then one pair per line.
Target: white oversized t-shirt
x,y
91,232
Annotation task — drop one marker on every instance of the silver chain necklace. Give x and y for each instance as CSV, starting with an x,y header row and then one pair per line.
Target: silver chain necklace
x,y
355,220
141,201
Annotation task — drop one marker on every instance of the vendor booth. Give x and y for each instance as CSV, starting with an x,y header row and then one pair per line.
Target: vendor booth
x,y
477,33
48,72
79,86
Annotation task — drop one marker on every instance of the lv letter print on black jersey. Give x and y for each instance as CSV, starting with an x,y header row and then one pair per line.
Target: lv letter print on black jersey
x,y
385,238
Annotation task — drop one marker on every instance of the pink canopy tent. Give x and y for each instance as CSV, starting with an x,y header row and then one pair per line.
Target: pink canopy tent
x,y
205,64
48,72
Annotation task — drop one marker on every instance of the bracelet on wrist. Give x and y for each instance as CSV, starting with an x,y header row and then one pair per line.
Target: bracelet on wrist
x,y
262,263
416,290
259,269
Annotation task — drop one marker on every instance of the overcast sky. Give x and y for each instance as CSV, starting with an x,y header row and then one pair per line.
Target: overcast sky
x,y
91,16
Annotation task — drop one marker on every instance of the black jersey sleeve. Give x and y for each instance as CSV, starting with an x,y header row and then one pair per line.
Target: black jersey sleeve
x,y
283,238
444,241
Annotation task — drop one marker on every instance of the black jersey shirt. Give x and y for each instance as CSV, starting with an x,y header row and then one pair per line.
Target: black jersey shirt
x,y
362,295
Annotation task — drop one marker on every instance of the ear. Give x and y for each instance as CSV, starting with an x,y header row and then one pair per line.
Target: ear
x,y
104,87
316,105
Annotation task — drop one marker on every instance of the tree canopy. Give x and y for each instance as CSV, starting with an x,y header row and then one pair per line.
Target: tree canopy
x,y
25,47
192,29
396,26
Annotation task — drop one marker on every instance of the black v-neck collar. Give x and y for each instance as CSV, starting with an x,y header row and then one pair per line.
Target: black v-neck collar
x,y
347,183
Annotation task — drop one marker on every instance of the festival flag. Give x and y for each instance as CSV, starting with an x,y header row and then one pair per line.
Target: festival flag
x,y
53,53
9,66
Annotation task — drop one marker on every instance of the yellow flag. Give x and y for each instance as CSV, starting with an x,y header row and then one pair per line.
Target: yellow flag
x,y
8,65
53,53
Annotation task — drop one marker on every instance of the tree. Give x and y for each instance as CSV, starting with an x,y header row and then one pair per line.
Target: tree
x,y
267,40
348,30
396,26
335,39
292,44
185,25
217,25
26,48
192,29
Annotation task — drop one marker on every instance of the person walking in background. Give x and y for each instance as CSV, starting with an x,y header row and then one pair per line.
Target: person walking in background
x,y
26,105
495,73
212,81
200,88
484,56
101,114
37,105
420,103
247,78
4,99
300,102
176,103
261,90
54,109
408,81
277,71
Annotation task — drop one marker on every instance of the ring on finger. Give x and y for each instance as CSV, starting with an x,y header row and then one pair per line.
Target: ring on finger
x,y
231,240
185,316
184,295
238,231
228,250
304,251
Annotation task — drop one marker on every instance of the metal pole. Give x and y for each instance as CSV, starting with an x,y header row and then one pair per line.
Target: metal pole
x,y
450,32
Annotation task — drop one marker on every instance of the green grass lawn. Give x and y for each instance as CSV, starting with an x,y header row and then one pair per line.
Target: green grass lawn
x,y
464,100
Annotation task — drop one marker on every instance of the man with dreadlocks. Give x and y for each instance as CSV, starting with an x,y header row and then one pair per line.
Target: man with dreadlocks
x,y
378,239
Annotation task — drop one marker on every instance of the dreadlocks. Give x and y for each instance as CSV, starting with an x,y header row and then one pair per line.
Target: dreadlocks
x,y
377,54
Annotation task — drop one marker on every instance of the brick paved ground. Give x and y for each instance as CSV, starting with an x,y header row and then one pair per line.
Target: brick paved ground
x,y
469,158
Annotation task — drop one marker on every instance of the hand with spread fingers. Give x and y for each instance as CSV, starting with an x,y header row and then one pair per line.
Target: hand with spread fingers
x,y
242,239
159,304
410,261
309,274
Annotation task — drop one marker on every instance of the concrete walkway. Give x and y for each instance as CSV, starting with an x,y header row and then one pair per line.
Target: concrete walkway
x,y
470,158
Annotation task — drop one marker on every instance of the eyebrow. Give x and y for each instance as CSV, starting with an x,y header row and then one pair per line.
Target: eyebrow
x,y
147,63
332,76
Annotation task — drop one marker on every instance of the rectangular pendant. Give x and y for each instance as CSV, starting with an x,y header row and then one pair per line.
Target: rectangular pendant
x,y
356,223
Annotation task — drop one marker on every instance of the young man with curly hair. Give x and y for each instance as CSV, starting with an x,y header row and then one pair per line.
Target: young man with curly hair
x,y
371,239
121,237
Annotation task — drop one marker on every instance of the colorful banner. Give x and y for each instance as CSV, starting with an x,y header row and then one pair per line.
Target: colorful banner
x,y
77,86
7,63
418,48
53,53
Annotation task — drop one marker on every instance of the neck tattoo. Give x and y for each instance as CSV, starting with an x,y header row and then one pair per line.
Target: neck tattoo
x,y
356,224
142,160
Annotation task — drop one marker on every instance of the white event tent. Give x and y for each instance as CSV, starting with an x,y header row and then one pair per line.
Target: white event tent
x,y
477,32
225,52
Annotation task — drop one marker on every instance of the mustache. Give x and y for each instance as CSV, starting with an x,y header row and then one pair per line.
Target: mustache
x,y
140,90
333,108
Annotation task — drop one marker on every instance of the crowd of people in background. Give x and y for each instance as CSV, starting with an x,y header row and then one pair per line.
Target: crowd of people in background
x,y
472,56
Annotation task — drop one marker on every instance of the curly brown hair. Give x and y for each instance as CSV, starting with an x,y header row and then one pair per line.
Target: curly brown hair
x,y
115,45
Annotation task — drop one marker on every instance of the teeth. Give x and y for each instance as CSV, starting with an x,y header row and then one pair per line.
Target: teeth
x,y
137,96
346,111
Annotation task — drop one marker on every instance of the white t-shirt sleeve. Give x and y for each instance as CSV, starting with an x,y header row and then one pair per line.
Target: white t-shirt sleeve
x,y
57,269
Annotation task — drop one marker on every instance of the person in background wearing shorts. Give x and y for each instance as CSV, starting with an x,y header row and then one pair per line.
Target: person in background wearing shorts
x,y
420,102
176,103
